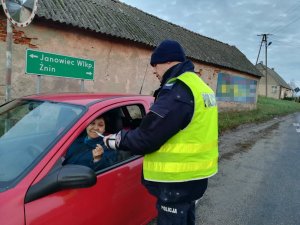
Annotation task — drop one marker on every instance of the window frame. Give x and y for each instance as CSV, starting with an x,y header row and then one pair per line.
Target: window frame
x,y
123,107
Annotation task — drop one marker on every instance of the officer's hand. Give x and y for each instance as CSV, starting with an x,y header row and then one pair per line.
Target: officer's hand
x,y
112,141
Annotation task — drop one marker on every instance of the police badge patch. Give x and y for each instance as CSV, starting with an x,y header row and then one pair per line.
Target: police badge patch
x,y
209,100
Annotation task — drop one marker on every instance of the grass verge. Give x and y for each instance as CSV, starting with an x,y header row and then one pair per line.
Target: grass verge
x,y
267,108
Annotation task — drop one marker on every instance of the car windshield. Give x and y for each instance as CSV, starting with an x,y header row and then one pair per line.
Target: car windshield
x,y
28,128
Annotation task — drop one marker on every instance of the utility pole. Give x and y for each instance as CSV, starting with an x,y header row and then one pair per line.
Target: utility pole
x,y
265,39
259,49
9,31
19,13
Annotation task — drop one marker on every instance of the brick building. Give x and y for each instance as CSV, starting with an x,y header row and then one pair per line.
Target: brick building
x,y
120,39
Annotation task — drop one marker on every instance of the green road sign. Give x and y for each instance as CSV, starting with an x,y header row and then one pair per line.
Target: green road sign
x,y
50,64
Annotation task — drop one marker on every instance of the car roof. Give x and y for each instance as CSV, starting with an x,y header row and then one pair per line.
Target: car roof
x,y
80,98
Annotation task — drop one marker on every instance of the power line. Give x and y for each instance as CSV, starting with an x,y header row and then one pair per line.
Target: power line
x,y
277,40
289,11
265,39
282,44
285,26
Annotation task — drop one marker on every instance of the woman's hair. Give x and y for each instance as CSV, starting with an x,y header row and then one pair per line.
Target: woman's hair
x,y
101,117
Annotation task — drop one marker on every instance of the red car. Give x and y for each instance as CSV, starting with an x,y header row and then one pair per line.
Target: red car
x,y
35,188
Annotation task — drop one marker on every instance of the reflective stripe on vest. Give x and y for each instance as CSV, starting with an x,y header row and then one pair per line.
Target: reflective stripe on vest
x,y
193,152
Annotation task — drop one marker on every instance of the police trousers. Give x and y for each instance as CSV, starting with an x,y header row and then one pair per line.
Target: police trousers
x,y
176,201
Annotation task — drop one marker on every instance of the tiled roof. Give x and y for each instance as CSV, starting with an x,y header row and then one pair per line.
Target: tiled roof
x,y
271,72
114,18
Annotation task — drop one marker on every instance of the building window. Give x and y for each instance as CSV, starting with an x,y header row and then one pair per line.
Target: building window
x,y
274,89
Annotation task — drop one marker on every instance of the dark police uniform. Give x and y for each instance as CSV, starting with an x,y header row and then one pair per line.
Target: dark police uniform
x,y
171,112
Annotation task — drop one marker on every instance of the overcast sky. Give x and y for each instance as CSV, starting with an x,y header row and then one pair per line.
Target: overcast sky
x,y
238,22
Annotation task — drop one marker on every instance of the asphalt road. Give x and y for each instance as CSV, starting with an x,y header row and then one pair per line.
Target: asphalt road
x,y
259,182
259,176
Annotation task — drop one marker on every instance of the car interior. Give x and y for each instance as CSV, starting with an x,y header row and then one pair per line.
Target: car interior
x,y
124,117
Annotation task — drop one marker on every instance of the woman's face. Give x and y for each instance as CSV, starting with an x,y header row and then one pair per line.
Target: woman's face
x,y
97,125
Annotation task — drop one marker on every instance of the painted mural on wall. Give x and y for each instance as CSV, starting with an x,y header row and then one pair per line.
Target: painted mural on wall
x,y
235,89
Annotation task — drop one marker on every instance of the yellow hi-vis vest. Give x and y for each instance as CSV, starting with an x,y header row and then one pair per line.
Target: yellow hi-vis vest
x,y
192,153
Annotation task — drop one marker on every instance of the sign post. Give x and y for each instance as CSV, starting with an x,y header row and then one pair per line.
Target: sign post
x,y
19,13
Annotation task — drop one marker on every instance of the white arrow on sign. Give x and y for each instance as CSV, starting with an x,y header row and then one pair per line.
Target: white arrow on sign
x,y
33,56
89,73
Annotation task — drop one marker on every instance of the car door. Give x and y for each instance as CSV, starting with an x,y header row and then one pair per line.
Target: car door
x,y
117,197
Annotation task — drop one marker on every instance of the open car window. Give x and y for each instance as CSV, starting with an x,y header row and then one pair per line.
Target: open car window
x,y
81,150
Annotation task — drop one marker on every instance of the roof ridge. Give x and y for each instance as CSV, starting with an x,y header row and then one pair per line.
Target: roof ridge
x,y
117,19
275,75
173,24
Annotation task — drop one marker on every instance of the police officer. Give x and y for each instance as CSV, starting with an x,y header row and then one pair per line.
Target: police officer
x,y
179,137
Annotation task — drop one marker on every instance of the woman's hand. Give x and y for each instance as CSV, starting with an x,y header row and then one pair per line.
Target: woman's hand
x,y
97,153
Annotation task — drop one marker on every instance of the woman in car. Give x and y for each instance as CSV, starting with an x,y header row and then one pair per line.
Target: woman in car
x,y
89,150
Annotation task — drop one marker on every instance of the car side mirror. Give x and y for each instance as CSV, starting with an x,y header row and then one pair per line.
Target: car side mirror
x,y
65,177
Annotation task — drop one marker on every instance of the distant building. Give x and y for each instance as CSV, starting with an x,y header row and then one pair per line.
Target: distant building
x,y
120,39
276,87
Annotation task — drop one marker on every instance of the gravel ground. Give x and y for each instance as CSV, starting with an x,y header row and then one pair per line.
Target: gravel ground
x,y
244,136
